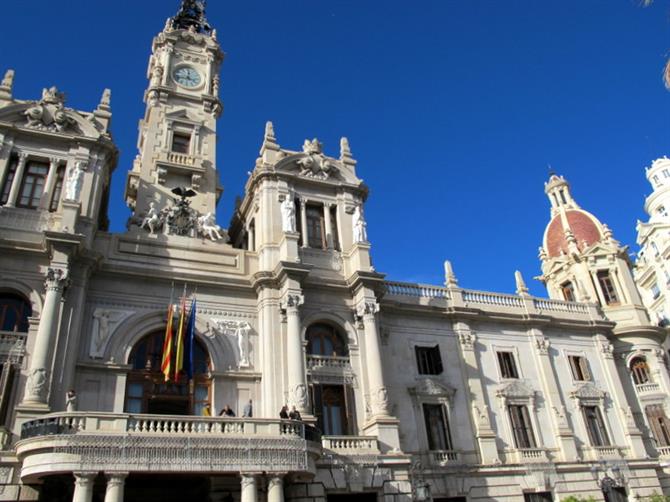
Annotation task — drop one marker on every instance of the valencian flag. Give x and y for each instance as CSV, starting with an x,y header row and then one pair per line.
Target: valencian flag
x,y
166,362
179,354
189,338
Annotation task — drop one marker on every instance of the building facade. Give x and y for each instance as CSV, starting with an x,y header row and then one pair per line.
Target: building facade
x,y
405,391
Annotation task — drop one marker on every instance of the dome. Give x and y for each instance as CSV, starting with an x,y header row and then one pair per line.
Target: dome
x,y
582,225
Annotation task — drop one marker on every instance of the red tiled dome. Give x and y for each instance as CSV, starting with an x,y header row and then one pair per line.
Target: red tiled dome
x,y
583,228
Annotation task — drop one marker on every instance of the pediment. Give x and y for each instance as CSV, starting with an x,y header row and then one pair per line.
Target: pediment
x,y
429,387
516,389
50,118
588,391
180,115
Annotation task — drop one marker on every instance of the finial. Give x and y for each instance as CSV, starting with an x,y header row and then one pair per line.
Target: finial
x,y
105,100
7,85
269,139
551,170
449,276
345,150
191,16
521,288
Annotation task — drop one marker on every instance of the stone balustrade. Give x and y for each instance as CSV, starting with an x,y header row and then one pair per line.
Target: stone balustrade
x,y
648,388
66,442
444,457
181,159
663,451
597,453
349,445
435,296
326,362
529,455
27,220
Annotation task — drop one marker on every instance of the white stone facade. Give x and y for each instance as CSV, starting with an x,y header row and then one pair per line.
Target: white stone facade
x,y
421,392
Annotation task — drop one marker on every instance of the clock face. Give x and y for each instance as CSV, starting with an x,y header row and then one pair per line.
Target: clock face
x,y
186,76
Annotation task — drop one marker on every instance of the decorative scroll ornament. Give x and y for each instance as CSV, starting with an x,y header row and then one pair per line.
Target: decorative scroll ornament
x,y
56,279
240,330
49,113
315,164
367,310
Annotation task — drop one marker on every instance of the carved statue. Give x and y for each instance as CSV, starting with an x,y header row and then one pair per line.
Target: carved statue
x,y
243,344
73,181
360,231
152,219
288,215
207,227
157,75
104,323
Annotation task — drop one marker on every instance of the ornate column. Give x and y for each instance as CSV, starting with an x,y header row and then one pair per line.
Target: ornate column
x,y
49,185
297,387
276,489
16,182
303,220
249,488
38,374
329,226
115,486
83,486
378,394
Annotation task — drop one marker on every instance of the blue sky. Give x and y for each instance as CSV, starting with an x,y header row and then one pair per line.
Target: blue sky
x,y
453,109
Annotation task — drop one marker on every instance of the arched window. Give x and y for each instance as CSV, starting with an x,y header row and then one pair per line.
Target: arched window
x,y
325,340
148,392
640,370
14,313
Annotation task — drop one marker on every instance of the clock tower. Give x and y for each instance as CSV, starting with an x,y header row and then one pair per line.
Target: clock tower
x,y
177,136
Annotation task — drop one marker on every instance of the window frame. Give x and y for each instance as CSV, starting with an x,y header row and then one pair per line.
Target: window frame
x,y
428,359
9,180
316,226
24,313
601,425
639,370
181,139
444,423
37,184
568,291
524,424
579,368
504,367
607,288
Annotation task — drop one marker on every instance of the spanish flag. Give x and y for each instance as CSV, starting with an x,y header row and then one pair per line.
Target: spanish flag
x,y
179,356
166,363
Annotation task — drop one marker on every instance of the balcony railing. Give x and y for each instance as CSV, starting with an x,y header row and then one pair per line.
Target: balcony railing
x,y
648,388
182,159
153,443
416,290
349,445
325,362
597,453
31,220
530,455
663,451
444,457
486,298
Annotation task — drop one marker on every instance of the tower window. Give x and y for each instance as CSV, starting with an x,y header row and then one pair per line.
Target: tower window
x,y
428,360
562,192
32,186
580,368
521,426
507,365
316,237
595,426
181,142
437,427
607,287
568,290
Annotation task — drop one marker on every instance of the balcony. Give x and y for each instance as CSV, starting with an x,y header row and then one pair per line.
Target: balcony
x,y
663,452
648,388
351,445
335,363
444,457
529,456
25,220
597,453
64,442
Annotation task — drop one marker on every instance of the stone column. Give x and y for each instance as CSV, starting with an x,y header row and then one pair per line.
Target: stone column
x,y
251,238
249,488
38,374
83,486
49,185
303,221
16,182
297,388
115,486
329,226
378,393
276,489
5,158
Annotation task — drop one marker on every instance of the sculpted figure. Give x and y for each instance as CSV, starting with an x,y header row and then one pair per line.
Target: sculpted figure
x,y
243,344
288,215
71,401
360,230
208,227
152,219
73,182
157,75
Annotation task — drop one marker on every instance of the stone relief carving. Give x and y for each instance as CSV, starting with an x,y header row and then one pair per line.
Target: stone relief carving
x,y
241,330
105,322
298,396
157,75
49,113
467,339
37,382
588,391
288,215
561,417
542,345
516,389
315,164
380,399
481,416
74,180
360,226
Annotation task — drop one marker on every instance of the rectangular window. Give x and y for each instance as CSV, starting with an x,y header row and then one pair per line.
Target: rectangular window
x,y
437,427
607,287
659,424
9,179
333,230
507,365
329,405
580,368
32,185
58,188
181,143
521,426
538,497
316,237
428,360
568,291
595,426
655,291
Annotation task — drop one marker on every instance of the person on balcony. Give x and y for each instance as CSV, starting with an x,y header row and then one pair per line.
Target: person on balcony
x,y
248,410
71,401
295,414
283,414
227,412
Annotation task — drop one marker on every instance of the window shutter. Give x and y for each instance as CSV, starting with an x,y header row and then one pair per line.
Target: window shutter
x,y
528,427
349,403
317,405
584,365
573,367
417,353
437,360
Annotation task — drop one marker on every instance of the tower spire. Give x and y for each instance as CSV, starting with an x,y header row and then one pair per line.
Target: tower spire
x,y
191,15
